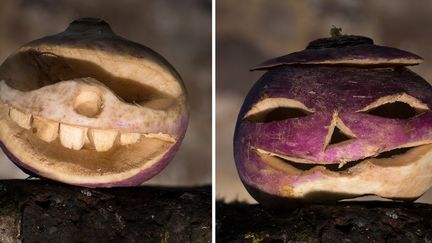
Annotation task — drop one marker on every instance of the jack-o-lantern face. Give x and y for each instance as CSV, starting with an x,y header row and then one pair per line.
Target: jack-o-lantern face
x,y
90,108
353,123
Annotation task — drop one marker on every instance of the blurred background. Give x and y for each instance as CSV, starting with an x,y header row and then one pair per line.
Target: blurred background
x,y
252,31
248,32
178,30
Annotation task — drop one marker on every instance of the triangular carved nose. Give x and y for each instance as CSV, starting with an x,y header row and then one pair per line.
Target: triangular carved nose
x,y
338,136
338,132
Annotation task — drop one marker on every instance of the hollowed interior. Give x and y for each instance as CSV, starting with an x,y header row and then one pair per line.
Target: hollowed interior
x,y
54,161
395,110
397,106
283,163
277,109
338,133
30,70
278,114
338,136
393,152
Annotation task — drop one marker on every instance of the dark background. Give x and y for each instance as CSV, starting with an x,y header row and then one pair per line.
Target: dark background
x,y
252,31
179,30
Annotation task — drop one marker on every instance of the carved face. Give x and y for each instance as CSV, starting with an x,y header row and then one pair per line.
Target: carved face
x,y
90,108
327,132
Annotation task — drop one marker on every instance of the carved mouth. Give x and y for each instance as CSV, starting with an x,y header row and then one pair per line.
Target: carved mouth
x,y
286,164
53,160
90,109
79,137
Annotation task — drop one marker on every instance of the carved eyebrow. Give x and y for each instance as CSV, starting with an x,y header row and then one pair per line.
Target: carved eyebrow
x,y
284,107
396,106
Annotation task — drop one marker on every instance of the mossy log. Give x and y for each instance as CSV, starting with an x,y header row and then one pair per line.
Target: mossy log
x,y
43,211
341,222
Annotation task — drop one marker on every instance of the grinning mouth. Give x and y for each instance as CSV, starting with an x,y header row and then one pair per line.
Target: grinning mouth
x,y
285,164
86,165
81,114
77,137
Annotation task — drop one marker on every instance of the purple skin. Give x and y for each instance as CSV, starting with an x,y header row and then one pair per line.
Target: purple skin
x,y
374,52
325,89
135,180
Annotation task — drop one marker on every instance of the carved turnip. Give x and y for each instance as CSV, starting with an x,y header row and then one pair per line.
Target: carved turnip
x,y
90,108
343,118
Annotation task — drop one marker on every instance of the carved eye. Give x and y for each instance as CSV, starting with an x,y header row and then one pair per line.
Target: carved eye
x,y
31,69
399,106
277,109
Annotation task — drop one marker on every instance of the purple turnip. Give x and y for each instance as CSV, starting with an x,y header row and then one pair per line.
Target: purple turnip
x,y
341,119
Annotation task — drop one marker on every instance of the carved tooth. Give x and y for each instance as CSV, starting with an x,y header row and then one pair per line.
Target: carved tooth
x,y
45,129
22,119
72,137
129,138
103,140
161,136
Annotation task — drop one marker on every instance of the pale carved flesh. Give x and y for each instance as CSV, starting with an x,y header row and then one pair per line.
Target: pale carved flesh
x,y
88,107
85,115
85,166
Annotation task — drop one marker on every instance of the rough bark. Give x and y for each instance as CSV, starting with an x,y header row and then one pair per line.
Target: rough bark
x,y
42,211
342,222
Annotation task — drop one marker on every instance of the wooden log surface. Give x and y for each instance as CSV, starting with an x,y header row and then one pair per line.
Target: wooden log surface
x,y
342,222
42,211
